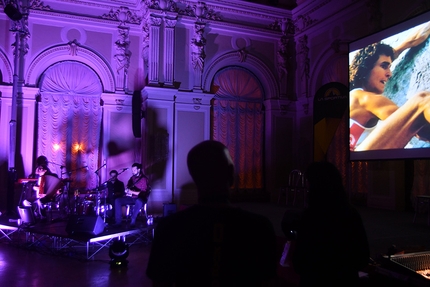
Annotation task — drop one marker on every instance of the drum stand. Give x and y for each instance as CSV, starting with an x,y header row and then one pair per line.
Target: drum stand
x,y
98,202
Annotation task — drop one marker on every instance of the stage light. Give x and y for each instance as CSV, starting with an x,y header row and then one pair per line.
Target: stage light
x,y
12,12
118,252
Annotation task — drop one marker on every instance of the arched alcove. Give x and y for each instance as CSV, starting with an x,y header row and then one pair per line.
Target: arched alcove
x,y
69,120
251,63
6,69
70,52
237,120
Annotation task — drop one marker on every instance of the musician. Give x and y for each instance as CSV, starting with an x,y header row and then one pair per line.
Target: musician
x,y
137,193
36,197
115,189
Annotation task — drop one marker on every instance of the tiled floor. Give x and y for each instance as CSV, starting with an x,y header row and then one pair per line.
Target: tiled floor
x,y
22,267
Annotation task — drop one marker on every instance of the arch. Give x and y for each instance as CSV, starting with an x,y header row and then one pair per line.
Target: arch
x,y
327,60
6,68
69,116
70,52
231,77
71,77
251,63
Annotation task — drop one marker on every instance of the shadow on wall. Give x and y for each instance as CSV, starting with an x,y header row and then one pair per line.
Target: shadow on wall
x,y
157,149
114,149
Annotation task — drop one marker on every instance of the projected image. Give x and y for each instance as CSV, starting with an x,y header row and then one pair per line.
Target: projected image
x,y
390,94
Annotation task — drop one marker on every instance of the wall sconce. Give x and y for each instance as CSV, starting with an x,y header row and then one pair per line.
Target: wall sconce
x,y
56,146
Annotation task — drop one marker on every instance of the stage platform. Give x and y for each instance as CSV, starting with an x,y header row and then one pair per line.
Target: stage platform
x,y
52,237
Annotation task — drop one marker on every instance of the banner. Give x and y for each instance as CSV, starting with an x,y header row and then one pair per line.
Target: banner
x,y
330,103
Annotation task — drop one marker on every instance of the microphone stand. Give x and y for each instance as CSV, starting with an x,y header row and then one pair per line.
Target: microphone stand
x,y
75,196
66,190
62,167
98,190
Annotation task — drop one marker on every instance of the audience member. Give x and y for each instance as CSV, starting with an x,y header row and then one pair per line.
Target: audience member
x,y
212,243
331,245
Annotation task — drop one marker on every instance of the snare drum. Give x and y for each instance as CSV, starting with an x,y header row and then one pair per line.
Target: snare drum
x,y
90,197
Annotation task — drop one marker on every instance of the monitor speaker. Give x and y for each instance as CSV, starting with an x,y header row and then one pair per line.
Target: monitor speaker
x,y
168,208
136,119
85,225
26,214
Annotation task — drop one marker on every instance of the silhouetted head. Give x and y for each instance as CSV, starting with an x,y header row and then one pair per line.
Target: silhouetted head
x,y
325,185
113,174
211,167
42,161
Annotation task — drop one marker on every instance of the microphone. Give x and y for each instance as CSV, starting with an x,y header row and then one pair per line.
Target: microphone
x,y
125,168
87,167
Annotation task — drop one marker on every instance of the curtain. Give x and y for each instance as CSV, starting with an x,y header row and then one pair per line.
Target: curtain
x,y
238,122
70,120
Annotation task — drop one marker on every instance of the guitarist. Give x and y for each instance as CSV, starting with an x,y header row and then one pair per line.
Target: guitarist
x,y
137,193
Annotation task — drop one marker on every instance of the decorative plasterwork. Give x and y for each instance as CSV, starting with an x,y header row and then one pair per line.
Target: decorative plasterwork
x,y
165,5
201,11
375,14
123,15
6,68
283,57
252,63
38,5
302,22
198,55
71,51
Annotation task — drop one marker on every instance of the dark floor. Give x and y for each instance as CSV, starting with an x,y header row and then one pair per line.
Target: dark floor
x,y
23,267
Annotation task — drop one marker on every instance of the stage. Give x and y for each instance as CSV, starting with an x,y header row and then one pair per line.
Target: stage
x,y
57,236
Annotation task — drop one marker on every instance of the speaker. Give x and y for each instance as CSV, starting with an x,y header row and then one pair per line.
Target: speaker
x,y
12,12
85,225
136,117
26,214
168,208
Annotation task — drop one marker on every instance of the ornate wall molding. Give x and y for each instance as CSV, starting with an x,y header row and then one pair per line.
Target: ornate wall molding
x,y
252,63
71,51
6,68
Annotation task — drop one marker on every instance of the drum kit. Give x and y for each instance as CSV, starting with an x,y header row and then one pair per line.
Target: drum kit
x,y
91,202
58,196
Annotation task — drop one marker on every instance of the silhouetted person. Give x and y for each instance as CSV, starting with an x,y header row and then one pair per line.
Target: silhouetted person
x,y
115,189
331,244
212,243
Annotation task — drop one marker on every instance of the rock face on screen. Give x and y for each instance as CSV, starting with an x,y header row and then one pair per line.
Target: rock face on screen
x,y
411,75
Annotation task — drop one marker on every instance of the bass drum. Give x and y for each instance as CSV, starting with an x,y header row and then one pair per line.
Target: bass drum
x,y
86,208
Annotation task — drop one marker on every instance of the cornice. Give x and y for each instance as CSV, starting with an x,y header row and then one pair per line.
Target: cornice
x,y
220,11
244,8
